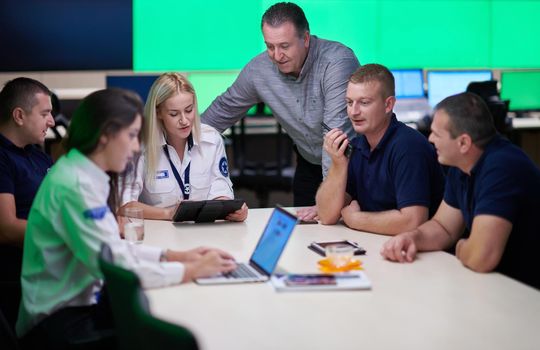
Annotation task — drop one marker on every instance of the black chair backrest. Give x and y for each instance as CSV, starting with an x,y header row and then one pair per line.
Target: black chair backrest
x,y
7,337
136,328
498,108
485,89
263,160
263,153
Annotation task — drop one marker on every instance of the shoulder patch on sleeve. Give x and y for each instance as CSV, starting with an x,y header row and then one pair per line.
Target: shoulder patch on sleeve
x,y
224,167
97,213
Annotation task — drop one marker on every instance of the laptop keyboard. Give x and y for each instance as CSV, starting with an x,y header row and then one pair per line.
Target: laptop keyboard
x,y
241,271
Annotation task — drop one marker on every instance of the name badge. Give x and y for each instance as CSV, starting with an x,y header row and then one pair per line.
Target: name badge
x,y
162,174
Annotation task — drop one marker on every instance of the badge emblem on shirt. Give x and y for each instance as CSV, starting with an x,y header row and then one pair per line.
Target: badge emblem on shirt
x,y
96,213
162,174
223,167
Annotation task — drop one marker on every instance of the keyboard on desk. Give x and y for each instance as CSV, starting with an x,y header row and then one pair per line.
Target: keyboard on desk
x,y
242,271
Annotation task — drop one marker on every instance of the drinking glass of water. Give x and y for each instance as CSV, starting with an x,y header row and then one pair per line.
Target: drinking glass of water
x,y
340,255
133,225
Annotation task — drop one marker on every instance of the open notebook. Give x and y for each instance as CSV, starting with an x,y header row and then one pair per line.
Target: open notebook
x,y
266,255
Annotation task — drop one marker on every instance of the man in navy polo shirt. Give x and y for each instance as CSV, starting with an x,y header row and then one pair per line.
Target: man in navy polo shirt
x,y
392,181
25,116
492,189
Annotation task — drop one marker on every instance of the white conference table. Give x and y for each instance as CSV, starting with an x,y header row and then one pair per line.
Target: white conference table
x,y
433,303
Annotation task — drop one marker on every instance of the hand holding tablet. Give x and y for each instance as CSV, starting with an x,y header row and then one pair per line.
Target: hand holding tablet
x,y
206,210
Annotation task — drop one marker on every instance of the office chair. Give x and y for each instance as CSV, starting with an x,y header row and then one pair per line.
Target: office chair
x,y
61,124
7,337
136,328
263,162
487,90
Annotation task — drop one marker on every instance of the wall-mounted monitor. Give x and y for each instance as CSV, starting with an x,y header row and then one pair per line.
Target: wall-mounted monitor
x,y
141,84
444,83
522,88
38,35
55,35
409,83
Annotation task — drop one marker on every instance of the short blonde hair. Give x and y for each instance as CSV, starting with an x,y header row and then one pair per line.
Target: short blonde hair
x,y
375,72
165,87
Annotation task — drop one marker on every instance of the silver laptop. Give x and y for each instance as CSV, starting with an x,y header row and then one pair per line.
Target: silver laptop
x,y
264,259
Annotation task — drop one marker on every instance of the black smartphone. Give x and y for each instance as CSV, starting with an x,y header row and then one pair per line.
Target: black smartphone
x,y
308,222
320,247
349,149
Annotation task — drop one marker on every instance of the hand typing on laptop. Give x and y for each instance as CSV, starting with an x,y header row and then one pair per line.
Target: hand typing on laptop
x,y
202,262
194,254
266,255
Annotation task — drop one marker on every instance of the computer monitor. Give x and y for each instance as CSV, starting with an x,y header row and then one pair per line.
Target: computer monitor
x,y
409,83
141,84
442,84
522,88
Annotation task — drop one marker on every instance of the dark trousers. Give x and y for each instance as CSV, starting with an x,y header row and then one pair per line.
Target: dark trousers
x,y
10,282
306,182
79,327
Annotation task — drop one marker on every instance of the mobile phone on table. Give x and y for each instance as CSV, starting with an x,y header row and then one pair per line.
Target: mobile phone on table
x,y
308,222
320,247
349,149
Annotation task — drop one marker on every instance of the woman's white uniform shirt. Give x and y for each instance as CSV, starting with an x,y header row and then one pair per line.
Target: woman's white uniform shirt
x,y
68,222
209,173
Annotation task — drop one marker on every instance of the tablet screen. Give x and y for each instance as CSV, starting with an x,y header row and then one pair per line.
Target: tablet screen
x,y
206,211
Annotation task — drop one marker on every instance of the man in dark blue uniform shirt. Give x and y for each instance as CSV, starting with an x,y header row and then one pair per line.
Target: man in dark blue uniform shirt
x,y
25,116
492,189
392,181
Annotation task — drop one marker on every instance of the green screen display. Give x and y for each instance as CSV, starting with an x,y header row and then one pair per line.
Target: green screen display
x,y
212,40
194,35
515,34
210,85
522,89
190,35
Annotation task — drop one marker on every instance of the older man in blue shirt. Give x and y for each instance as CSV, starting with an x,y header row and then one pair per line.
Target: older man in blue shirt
x,y
492,190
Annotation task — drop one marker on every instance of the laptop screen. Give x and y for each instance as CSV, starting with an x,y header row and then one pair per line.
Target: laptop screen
x,y
273,240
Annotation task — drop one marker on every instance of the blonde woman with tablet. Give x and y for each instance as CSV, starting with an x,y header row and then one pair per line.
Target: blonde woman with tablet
x,y
182,159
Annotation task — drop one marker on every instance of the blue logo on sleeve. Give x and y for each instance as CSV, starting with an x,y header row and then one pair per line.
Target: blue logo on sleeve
x,y
96,213
162,174
224,167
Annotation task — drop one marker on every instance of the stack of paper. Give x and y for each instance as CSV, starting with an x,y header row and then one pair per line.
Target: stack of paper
x,y
318,282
